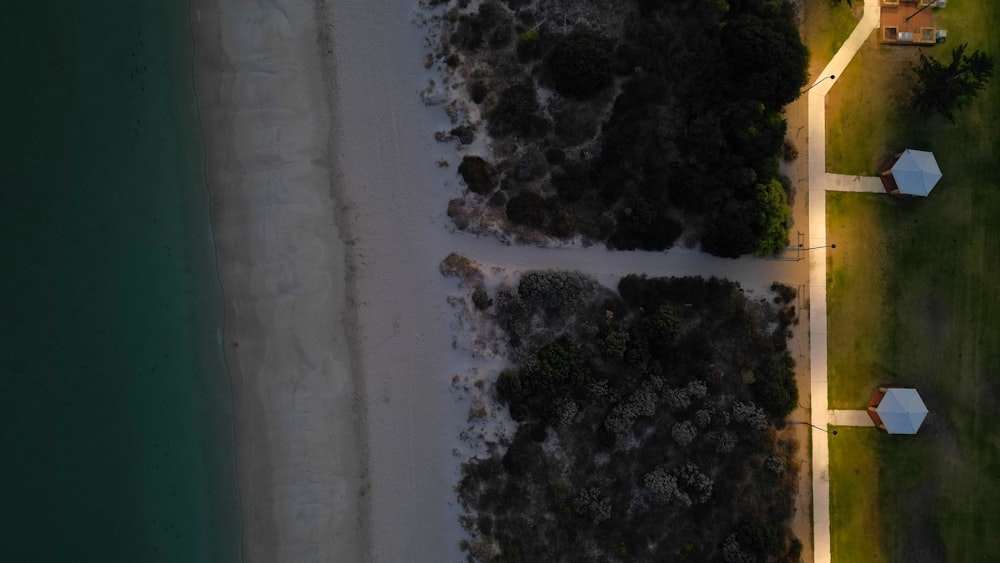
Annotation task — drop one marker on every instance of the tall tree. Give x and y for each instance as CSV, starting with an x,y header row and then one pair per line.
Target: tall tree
x,y
943,88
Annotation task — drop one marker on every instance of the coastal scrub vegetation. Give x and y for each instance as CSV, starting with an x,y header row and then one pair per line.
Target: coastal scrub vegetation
x,y
655,119
648,424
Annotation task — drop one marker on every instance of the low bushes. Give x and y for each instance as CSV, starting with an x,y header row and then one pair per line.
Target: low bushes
x,y
629,446
581,63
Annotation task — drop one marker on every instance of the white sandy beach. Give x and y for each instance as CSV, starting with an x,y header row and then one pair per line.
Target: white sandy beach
x,y
266,118
317,148
329,218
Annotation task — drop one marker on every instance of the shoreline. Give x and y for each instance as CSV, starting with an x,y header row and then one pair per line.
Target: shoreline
x,y
236,521
263,93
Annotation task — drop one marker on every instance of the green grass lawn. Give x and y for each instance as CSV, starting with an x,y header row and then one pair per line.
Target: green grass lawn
x,y
914,299
854,470
868,113
825,27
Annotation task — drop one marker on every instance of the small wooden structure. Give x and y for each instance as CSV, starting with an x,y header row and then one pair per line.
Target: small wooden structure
x,y
897,410
909,22
911,173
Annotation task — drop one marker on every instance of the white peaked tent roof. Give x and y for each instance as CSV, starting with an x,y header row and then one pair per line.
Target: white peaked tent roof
x,y
916,172
902,411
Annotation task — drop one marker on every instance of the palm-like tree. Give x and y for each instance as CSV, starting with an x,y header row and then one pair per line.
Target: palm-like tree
x,y
943,88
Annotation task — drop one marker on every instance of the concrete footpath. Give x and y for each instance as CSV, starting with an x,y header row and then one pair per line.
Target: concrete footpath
x,y
848,183
819,183
850,418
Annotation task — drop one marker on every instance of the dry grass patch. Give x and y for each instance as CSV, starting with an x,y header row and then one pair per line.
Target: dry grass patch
x,y
868,115
824,28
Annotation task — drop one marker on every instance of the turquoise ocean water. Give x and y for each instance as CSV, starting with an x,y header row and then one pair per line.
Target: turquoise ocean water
x,y
115,413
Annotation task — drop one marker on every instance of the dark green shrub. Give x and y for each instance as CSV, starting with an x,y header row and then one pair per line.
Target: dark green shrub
x,y
575,124
512,314
492,14
522,455
729,232
464,134
553,290
481,299
528,209
788,151
531,165
515,111
759,537
498,199
783,293
563,220
554,365
571,180
664,323
773,218
613,344
468,34
645,224
795,550
529,45
478,91
528,38
581,63
501,36
509,386
775,389
477,173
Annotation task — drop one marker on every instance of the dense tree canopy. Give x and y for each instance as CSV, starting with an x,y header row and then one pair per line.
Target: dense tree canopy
x,y
765,57
680,141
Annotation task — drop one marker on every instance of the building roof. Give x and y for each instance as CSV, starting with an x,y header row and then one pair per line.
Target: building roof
x,y
902,411
916,172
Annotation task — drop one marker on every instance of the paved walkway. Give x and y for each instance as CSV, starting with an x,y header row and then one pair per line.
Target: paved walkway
x,y
850,418
848,183
819,182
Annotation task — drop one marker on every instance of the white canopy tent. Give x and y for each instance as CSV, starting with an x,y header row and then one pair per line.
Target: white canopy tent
x,y
902,411
916,172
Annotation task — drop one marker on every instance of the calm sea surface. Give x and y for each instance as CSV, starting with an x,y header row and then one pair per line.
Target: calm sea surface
x,y
115,417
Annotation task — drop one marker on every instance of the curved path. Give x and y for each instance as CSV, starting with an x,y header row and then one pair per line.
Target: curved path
x,y
819,183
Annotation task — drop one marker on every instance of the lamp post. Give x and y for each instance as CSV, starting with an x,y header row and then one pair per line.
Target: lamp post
x,y
831,77
801,248
834,432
